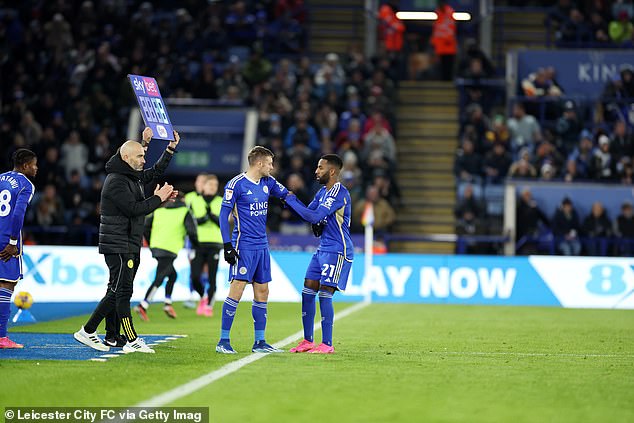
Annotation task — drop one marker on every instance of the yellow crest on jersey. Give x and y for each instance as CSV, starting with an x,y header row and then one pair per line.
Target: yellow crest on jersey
x,y
130,263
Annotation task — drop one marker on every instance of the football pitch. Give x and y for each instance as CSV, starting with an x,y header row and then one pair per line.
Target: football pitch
x,y
393,363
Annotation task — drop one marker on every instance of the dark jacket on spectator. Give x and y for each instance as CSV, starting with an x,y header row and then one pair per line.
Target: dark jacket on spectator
x,y
528,218
625,226
470,163
563,224
124,206
622,146
597,226
470,204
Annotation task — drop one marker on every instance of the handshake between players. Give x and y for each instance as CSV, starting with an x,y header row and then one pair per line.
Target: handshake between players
x,y
246,249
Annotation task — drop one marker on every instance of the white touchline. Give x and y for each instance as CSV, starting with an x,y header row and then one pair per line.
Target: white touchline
x,y
196,384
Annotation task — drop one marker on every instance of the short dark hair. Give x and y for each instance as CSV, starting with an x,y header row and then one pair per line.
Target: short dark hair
x,y
334,160
257,153
22,156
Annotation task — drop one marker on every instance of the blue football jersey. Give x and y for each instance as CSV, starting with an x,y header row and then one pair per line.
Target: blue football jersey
x,y
249,204
16,192
334,209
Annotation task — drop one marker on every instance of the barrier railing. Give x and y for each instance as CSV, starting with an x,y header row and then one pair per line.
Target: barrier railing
x,y
595,246
585,106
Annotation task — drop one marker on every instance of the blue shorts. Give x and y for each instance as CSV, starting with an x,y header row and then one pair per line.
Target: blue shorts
x,y
252,266
11,271
330,269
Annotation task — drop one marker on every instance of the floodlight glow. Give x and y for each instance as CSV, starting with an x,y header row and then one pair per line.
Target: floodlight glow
x,y
417,16
462,16
430,16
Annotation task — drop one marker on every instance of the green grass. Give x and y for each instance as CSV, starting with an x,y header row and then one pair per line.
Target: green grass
x,y
409,363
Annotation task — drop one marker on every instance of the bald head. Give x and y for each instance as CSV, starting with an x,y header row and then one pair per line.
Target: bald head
x,y
133,154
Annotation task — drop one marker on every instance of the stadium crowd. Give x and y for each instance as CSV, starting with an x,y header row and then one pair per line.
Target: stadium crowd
x,y
597,23
65,95
546,135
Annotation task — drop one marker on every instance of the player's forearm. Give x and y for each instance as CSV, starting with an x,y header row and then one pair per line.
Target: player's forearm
x,y
312,216
225,230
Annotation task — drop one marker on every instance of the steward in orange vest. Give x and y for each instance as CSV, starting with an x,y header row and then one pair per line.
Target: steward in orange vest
x,y
391,28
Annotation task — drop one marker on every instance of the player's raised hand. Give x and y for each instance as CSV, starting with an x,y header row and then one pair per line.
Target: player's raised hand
x,y
147,136
230,253
177,139
8,252
164,192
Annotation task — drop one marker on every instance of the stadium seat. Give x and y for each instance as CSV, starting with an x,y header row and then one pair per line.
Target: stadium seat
x,y
494,198
477,190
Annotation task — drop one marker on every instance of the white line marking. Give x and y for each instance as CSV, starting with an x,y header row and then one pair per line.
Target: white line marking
x,y
109,355
530,354
196,384
102,360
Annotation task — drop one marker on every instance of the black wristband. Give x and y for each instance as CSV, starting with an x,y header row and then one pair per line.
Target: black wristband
x,y
228,246
170,150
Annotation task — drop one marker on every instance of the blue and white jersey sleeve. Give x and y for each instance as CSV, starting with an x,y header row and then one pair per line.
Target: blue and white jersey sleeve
x,y
333,208
16,192
276,189
329,202
229,197
228,203
24,197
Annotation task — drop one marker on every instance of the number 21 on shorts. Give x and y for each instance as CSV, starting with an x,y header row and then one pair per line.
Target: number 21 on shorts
x,y
327,266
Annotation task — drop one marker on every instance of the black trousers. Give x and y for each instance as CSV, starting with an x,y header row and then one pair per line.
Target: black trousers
x,y
205,254
115,305
164,269
447,66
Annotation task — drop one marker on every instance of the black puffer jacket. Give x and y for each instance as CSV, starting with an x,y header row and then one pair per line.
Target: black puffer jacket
x,y
124,206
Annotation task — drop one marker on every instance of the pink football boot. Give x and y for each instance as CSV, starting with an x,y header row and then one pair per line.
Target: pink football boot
x,y
9,344
209,311
322,349
303,346
202,305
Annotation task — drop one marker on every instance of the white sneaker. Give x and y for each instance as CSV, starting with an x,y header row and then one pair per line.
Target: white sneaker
x,y
90,339
138,345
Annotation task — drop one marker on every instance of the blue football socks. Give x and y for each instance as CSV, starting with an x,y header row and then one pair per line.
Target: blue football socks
x,y
258,311
228,313
5,310
308,312
327,316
